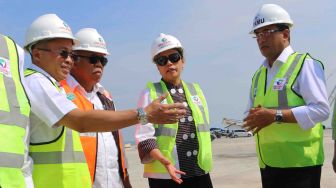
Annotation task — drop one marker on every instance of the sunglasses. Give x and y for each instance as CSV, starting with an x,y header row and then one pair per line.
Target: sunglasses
x,y
63,53
266,33
163,60
94,59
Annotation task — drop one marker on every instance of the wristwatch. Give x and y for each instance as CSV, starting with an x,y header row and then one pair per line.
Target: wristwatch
x,y
142,116
278,116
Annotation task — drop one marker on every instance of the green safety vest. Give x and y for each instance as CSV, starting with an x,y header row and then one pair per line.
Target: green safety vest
x,y
14,116
285,145
59,163
166,134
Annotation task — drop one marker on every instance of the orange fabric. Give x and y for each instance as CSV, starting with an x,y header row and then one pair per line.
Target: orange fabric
x,y
122,151
89,147
89,144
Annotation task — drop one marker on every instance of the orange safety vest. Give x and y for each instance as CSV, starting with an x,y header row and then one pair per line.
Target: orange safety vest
x,y
89,143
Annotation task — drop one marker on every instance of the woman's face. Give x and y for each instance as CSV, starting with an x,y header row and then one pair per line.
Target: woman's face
x,y
170,65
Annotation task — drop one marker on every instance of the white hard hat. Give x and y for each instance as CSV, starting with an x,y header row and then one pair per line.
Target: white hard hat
x,y
89,39
47,26
270,14
165,42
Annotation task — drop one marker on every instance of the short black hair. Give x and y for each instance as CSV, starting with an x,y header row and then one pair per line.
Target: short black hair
x,y
282,27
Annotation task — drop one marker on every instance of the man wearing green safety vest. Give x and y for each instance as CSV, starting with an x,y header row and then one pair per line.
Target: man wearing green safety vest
x,y
287,102
14,113
55,147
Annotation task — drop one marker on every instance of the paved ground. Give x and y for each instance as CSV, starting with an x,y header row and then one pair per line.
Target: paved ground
x,y
235,164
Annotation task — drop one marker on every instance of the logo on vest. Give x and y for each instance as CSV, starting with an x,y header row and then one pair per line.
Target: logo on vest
x,y
196,100
279,83
70,96
5,67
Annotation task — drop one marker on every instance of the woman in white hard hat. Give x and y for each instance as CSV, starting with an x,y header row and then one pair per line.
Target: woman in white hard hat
x,y
175,155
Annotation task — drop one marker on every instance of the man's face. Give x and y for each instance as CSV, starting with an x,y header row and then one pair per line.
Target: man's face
x,y
88,67
271,41
54,57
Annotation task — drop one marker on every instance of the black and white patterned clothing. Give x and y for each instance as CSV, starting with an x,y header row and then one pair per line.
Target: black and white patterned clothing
x,y
186,138
186,148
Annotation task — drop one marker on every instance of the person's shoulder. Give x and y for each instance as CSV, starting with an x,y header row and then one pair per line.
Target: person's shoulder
x,y
37,81
34,76
311,61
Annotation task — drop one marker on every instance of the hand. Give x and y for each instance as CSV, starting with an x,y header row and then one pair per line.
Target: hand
x,y
164,113
171,170
156,154
258,118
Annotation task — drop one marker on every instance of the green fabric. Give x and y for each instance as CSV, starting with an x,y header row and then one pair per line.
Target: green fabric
x,y
59,163
286,144
166,143
14,112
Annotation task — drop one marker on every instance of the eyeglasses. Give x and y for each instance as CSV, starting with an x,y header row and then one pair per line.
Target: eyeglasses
x,y
94,59
163,60
265,33
63,53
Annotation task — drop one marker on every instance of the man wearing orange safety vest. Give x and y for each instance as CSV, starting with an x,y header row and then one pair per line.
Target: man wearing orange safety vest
x,y
103,150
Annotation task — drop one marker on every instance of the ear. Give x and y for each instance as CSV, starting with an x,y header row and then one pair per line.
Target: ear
x,y
286,34
36,55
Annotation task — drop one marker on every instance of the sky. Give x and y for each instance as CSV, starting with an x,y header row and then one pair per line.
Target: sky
x,y
220,54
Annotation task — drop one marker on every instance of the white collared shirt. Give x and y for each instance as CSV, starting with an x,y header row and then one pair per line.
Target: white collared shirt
x,y
310,84
48,106
107,167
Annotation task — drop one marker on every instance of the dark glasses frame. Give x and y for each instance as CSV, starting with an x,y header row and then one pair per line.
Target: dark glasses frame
x,y
163,60
62,52
94,59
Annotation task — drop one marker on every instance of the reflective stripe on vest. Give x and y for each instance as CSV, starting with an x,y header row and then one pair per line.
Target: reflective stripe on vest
x,y
166,134
89,143
59,157
281,145
282,94
13,160
61,162
166,131
14,113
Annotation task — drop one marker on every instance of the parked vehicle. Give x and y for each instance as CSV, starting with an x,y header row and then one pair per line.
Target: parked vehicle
x,y
213,136
239,133
219,131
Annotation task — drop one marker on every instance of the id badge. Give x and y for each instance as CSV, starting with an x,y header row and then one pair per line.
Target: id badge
x,y
279,83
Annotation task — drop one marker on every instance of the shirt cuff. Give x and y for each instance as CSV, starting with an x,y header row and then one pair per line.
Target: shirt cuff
x,y
144,147
302,118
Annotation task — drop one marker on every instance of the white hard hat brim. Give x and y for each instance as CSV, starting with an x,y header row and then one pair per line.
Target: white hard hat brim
x,y
290,24
165,49
27,47
91,49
